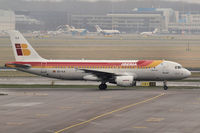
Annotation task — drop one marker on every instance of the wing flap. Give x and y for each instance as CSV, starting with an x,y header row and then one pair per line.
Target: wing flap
x,y
100,74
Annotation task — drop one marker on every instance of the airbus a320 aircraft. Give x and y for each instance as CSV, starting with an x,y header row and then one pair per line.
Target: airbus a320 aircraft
x,y
120,72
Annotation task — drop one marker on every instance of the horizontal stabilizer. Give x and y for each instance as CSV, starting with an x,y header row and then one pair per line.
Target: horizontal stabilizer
x,y
13,65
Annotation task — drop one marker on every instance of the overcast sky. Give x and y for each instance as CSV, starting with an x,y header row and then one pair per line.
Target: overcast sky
x,y
188,1
96,6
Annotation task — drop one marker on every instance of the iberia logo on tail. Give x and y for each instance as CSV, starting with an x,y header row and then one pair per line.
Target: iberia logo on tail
x,y
22,50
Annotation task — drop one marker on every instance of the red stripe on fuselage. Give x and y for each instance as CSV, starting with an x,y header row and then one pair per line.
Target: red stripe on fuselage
x,y
141,63
144,62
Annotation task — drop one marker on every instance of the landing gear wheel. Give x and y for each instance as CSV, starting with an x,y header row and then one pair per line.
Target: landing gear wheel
x,y
165,87
134,84
102,87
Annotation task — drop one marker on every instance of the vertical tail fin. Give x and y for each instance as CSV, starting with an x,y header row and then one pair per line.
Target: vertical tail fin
x,y
98,28
72,27
155,31
68,27
23,51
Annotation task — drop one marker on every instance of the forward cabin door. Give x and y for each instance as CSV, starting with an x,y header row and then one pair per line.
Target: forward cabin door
x,y
165,72
44,68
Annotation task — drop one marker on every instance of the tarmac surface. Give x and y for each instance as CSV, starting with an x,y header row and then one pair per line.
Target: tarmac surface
x,y
83,110
48,81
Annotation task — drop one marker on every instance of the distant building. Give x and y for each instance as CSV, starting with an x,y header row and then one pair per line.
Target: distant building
x,y
7,20
26,23
188,23
138,20
40,20
26,20
124,22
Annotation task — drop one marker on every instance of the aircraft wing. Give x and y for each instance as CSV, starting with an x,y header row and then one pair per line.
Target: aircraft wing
x,y
101,74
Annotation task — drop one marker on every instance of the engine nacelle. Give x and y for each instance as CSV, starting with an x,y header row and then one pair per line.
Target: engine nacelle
x,y
125,81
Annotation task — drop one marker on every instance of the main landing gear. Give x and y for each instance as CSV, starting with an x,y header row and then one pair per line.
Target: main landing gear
x,y
165,87
102,86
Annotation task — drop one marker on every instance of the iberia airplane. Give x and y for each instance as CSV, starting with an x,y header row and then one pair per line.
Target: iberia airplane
x,y
120,72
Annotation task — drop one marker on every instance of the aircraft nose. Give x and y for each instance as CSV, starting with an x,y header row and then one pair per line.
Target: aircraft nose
x,y
187,73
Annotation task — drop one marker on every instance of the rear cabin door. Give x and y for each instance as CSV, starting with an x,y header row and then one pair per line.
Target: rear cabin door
x,y
43,68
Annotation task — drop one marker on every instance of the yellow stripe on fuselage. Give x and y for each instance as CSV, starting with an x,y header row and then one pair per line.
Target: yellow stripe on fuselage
x,y
151,65
97,67
155,63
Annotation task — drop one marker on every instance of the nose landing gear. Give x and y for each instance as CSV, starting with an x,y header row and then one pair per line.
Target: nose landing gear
x,y
165,87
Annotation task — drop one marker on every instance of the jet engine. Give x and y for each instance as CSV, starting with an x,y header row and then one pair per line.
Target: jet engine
x,y
125,81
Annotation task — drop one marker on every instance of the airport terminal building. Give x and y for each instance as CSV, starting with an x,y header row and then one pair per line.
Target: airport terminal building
x,y
123,22
188,22
7,20
138,20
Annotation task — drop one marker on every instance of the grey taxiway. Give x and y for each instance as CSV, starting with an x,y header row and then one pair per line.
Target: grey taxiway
x,y
84,110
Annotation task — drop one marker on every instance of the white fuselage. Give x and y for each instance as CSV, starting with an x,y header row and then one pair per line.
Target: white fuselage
x,y
147,33
108,32
167,70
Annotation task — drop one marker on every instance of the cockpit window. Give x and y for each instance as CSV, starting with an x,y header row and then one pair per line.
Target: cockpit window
x,y
178,67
